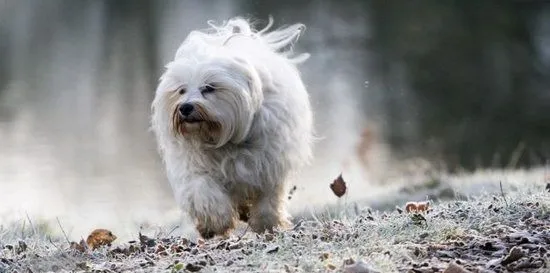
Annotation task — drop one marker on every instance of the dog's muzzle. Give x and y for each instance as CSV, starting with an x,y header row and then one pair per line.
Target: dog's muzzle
x,y
187,113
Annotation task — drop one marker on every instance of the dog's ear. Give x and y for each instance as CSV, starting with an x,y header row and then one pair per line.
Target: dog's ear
x,y
253,79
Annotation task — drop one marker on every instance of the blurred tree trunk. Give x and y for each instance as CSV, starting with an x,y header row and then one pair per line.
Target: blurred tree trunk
x,y
134,21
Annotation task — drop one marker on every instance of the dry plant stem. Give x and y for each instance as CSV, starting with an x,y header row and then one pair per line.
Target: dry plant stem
x,y
23,230
32,226
176,227
64,234
502,193
298,225
50,239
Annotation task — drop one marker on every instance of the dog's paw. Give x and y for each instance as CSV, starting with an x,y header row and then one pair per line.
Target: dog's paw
x,y
207,234
211,229
268,223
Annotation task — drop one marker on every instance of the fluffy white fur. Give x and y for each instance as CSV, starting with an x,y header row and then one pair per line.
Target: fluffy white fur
x,y
254,126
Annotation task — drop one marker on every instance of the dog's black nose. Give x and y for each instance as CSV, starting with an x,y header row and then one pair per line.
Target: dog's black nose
x,y
186,109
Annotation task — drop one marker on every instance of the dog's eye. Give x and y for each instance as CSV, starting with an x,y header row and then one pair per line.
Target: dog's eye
x,y
181,91
208,89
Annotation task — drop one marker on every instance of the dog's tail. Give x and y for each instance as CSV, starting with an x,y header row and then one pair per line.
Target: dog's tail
x,y
281,40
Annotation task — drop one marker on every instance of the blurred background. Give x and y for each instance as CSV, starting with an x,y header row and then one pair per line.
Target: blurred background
x,y
398,88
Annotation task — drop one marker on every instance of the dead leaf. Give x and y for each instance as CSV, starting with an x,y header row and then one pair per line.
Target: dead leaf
x,y
193,267
22,248
82,246
411,206
418,219
515,254
272,250
417,206
423,206
100,237
338,187
146,241
161,250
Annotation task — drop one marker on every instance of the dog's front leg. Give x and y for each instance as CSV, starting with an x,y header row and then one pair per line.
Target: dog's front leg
x,y
270,211
211,208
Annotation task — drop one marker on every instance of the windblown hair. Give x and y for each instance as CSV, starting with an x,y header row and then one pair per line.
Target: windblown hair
x,y
280,40
256,127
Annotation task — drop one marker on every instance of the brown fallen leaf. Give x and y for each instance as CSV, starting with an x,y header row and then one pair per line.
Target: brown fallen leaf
x,y
338,187
417,206
423,206
324,256
82,246
100,237
411,206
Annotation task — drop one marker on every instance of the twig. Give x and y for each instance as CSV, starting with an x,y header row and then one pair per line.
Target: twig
x,y
30,222
65,234
176,227
298,225
23,230
502,193
50,239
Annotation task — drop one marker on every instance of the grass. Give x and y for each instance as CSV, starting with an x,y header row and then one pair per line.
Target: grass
x,y
475,232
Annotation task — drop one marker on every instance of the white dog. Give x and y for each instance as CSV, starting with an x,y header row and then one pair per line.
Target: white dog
x,y
233,122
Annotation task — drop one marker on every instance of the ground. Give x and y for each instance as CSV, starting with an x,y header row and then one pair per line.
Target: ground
x,y
506,231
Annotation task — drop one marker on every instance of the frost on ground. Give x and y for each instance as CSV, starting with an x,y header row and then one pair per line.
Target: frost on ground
x,y
491,233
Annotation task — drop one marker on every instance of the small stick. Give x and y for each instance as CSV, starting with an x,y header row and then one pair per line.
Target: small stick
x,y
176,227
298,225
65,234
23,230
30,222
502,193
50,239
